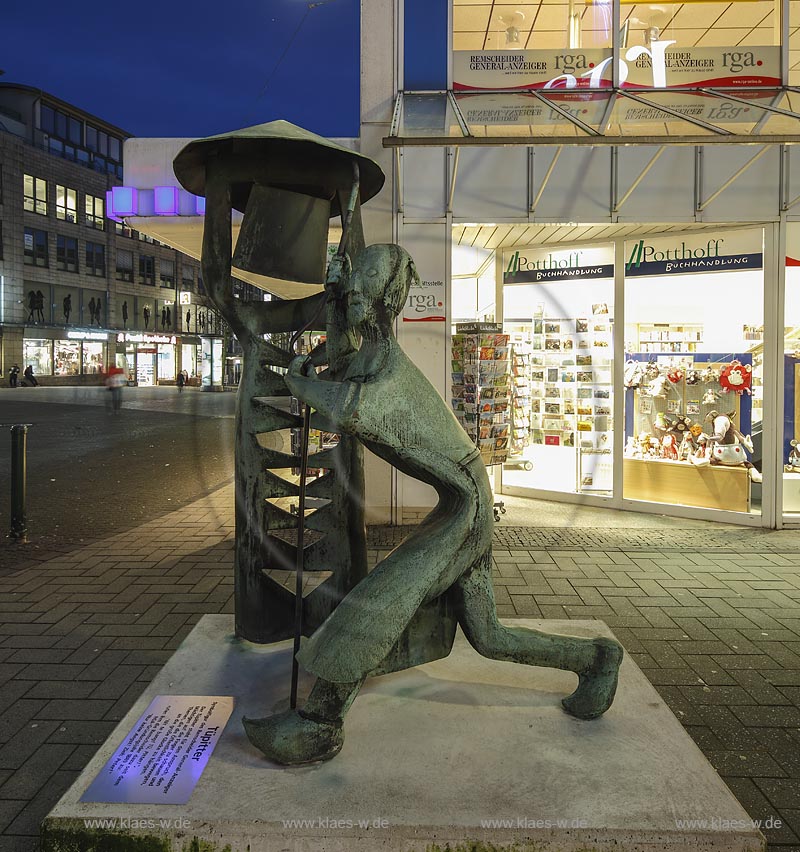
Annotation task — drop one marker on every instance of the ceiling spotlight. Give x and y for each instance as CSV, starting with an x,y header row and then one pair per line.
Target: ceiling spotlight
x,y
512,22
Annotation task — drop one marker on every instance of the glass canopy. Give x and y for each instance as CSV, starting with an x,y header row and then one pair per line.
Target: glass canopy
x,y
609,116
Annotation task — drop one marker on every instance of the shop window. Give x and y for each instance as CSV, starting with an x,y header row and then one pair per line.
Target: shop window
x,y
124,265
66,253
694,392
95,211
166,361
66,203
96,259
35,194
39,355
147,267
554,397
67,358
167,273
93,360
35,247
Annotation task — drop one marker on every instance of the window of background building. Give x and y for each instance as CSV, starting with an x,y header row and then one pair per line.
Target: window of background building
x,y
187,277
66,253
147,269
95,259
124,230
124,265
35,247
201,288
167,273
1,183
39,355
35,194
67,358
95,212
93,357
1,240
66,203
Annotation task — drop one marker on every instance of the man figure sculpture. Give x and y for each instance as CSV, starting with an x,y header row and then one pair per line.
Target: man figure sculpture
x,y
386,402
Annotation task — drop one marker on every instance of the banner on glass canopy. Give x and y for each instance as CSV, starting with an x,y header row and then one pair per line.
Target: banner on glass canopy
x,y
664,64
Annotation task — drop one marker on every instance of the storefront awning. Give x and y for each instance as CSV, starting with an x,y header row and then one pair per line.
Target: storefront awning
x,y
696,116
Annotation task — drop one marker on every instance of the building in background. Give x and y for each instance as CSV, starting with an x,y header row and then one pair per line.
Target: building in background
x,y
80,291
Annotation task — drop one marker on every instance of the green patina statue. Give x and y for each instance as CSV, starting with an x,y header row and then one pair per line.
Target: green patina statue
x,y
441,574
288,183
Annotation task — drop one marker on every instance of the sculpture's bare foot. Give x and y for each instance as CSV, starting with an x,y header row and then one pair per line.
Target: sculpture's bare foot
x,y
598,683
291,738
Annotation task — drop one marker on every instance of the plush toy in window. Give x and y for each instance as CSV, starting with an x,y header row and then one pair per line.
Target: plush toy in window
x,y
651,371
692,377
793,462
710,397
709,375
657,387
726,445
634,374
736,377
674,375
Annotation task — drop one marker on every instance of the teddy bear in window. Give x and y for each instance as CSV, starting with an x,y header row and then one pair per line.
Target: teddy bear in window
x,y
793,462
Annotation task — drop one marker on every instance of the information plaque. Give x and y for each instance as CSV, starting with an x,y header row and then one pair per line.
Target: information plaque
x,y
162,758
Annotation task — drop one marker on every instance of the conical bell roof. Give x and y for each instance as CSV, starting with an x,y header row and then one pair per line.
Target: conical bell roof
x,y
288,157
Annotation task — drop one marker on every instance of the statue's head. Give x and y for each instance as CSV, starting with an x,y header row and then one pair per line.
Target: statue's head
x,y
378,285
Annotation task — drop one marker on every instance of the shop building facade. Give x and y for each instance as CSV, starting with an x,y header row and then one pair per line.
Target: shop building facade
x,y
606,182
76,285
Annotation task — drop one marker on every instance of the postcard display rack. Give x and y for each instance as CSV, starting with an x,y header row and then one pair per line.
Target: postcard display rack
x,y
481,390
571,391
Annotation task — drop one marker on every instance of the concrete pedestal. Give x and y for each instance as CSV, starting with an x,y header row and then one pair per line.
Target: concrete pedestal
x,y
464,754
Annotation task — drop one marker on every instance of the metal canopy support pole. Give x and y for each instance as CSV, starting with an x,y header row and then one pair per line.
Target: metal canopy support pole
x,y
639,179
398,172
546,178
452,158
398,111
704,203
465,131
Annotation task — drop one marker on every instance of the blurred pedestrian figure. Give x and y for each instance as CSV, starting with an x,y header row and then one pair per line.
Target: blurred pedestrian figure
x,y
169,317
92,309
146,316
188,319
67,307
163,317
39,306
13,374
98,309
31,306
180,381
29,377
124,314
115,382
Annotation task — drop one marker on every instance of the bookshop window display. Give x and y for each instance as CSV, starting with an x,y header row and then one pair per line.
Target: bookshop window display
x,y
558,314
693,372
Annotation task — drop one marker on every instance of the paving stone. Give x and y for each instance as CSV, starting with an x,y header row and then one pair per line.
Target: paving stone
x,y
37,770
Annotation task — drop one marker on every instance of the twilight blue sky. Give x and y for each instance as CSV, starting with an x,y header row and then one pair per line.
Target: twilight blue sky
x,y
179,68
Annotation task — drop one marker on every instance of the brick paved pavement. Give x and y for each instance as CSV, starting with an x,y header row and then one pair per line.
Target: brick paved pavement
x,y
712,617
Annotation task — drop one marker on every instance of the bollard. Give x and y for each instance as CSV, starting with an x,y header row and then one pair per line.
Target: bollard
x,y
19,522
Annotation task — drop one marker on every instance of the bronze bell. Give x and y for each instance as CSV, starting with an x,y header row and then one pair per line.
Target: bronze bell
x,y
286,181
284,234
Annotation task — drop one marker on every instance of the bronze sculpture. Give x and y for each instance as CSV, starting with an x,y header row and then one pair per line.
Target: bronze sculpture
x,y
407,609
